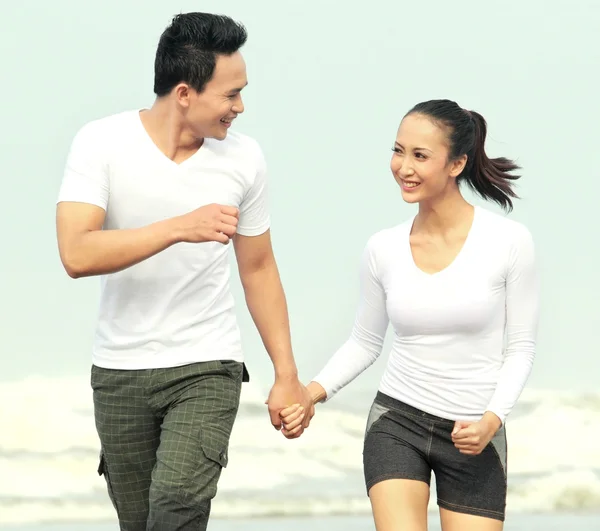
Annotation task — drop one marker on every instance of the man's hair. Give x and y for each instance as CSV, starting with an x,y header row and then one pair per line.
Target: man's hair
x,y
188,48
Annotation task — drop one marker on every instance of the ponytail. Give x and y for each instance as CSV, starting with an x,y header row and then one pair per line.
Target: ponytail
x,y
490,178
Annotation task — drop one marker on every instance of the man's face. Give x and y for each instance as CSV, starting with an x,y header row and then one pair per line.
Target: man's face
x,y
209,113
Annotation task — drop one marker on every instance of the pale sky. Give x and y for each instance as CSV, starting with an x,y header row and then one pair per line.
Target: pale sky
x,y
328,87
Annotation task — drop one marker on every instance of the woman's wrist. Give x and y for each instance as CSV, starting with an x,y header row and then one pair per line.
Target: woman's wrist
x,y
492,421
317,392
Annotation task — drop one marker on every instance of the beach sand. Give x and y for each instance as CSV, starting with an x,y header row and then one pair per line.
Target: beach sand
x,y
516,522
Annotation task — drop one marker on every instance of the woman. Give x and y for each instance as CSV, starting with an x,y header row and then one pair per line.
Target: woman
x,y
459,285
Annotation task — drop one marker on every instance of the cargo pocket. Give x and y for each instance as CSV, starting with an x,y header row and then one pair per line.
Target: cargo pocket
x,y
202,485
220,457
101,465
103,471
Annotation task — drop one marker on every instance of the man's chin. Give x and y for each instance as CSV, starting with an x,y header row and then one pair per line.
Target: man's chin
x,y
220,135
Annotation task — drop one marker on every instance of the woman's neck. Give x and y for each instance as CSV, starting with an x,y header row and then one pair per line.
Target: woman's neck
x,y
444,215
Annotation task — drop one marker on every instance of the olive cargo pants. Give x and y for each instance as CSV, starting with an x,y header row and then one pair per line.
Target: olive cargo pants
x,y
164,437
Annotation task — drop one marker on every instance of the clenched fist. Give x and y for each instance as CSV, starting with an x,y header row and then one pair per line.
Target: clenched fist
x,y
210,223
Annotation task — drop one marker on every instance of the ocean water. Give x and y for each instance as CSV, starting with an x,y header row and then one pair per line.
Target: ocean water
x,y
49,456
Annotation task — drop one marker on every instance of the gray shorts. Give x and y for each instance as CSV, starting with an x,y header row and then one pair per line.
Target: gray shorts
x,y
402,442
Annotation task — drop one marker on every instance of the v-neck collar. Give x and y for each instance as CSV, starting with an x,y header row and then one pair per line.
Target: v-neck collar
x,y
159,155
464,249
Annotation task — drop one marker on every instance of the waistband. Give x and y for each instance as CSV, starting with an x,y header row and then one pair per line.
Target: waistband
x,y
391,403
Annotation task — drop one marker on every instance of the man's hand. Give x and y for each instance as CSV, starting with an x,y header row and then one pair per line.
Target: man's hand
x,y
267,305
472,437
210,223
286,392
293,416
86,249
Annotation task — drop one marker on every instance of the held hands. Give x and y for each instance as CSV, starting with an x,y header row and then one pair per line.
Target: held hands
x,y
292,416
472,437
287,391
210,223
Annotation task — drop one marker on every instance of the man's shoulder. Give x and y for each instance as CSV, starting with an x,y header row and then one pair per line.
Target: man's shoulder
x,y
237,143
106,128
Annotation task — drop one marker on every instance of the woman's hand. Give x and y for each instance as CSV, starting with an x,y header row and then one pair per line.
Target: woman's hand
x,y
472,437
316,392
292,417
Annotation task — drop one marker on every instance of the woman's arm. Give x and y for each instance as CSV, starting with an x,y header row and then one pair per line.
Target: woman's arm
x,y
358,353
522,311
365,343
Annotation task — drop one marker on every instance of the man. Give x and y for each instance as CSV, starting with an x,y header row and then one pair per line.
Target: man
x,y
149,201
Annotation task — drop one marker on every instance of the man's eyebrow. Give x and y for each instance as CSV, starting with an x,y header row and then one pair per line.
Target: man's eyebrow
x,y
237,90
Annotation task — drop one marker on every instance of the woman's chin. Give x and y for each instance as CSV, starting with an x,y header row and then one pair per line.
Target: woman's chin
x,y
410,197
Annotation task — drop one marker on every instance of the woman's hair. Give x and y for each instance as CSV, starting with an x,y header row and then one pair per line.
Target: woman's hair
x,y
466,130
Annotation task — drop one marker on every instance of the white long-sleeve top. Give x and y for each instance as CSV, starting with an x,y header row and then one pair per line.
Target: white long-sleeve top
x,y
464,338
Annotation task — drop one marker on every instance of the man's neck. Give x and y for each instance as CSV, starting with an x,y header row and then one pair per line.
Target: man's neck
x,y
165,125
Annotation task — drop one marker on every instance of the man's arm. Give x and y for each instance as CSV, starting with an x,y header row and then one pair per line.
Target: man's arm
x,y
268,307
87,250
266,299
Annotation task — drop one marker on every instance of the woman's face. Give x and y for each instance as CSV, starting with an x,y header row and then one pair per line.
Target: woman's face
x,y
420,163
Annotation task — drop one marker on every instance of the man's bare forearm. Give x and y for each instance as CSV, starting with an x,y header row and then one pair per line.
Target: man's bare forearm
x,y
101,252
87,250
268,307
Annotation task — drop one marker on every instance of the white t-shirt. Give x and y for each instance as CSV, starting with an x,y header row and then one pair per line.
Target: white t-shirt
x,y
464,338
176,307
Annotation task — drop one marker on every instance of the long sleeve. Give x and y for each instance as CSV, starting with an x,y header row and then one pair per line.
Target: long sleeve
x,y
522,314
365,343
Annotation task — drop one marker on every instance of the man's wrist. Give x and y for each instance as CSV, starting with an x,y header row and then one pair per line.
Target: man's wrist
x,y
171,230
287,371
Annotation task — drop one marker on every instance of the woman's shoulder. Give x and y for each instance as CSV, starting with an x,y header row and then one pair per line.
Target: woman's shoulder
x,y
395,234
501,226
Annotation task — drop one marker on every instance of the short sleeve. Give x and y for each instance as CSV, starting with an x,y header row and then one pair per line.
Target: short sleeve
x,y
85,179
254,212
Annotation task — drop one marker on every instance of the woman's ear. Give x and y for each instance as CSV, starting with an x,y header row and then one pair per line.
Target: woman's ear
x,y
457,166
